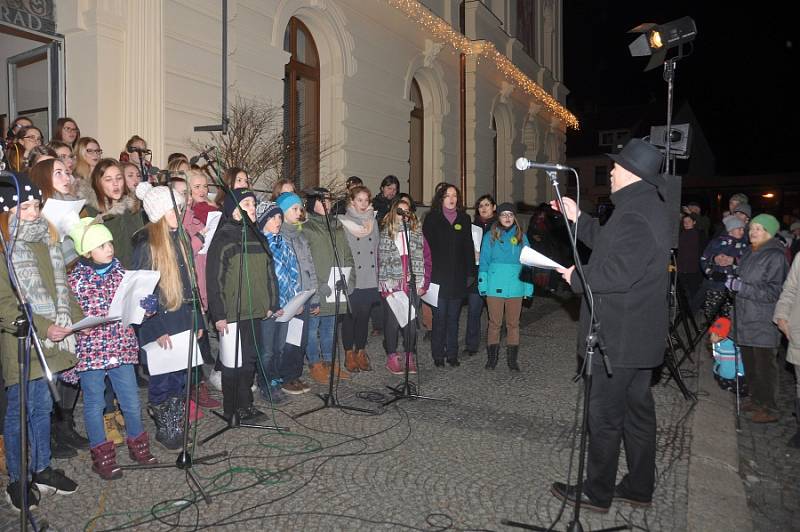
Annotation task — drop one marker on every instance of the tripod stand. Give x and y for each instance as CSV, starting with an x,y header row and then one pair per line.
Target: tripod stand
x,y
329,399
184,461
592,339
234,420
406,390
678,312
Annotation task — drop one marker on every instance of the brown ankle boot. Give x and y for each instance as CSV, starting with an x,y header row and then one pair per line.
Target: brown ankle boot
x,y
318,372
139,449
338,372
104,461
351,361
363,360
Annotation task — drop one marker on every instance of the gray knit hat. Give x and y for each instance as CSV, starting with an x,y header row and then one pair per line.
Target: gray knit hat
x,y
732,222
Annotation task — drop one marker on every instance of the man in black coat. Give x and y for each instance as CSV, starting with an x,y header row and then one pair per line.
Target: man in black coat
x,y
627,274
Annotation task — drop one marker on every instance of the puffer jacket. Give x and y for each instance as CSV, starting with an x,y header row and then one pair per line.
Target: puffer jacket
x,y
499,273
762,272
294,235
108,345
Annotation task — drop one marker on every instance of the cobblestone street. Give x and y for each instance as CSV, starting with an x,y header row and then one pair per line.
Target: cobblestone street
x,y
489,452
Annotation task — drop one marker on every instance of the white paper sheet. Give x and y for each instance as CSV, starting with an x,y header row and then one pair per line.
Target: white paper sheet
x,y
160,361
227,348
332,278
531,257
211,227
63,215
294,305
135,286
477,238
431,297
398,302
294,333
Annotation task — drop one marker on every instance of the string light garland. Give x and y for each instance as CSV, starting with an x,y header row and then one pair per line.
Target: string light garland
x,y
441,31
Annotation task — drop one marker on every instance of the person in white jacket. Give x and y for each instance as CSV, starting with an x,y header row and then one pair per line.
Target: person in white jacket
x,y
787,318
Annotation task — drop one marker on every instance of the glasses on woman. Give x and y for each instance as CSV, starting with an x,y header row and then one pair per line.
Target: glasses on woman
x,y
484,205
95,152
506,215
70,129
35,138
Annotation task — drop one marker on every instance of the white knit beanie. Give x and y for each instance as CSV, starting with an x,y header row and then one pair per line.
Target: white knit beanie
x,y
156,200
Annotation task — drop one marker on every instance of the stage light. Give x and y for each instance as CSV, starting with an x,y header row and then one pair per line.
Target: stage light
x,y
768,195
656,40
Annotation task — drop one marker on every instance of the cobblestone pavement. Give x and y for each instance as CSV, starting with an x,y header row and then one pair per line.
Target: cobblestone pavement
x,y
770,469
489,452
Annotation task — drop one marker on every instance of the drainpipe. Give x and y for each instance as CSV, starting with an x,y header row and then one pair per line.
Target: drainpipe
x,y
463,124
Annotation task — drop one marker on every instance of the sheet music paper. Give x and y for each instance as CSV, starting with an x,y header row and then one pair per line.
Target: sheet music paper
x,y
160,360
531,257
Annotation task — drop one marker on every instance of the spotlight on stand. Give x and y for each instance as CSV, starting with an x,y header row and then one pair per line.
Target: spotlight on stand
x,y
679,139
656,40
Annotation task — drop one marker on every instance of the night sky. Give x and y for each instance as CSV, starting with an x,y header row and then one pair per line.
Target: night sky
x,y
737,79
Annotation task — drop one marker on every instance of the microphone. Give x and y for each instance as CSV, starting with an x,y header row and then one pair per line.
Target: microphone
x,y
524,164
402,212
203,155
134,149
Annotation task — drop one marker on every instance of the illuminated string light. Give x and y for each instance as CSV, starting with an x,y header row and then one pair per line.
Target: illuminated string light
x,y
442,32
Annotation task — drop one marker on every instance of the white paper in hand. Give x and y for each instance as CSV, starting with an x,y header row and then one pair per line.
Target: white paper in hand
x,y
135,286
431,297
531,257
63,215
228,354
477,238
211,227
398,302
332,278
294,333
160,360
294,305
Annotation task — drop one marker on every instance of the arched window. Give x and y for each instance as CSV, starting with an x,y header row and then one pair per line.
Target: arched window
x,y
301,106
416,143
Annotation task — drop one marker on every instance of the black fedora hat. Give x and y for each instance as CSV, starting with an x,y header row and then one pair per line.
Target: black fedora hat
x,y
641,158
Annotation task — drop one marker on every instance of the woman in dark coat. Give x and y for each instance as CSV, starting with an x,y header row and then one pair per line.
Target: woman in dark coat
x,y
762,271
449,235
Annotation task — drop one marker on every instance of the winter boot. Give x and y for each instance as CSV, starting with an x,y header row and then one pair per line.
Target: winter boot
x,y
318,372
58,447
161,417
394,364
512,351
139,449
66,428
338,372
119,419
491,356
110,426
363,360
204,399
176,410
104,461
795,440
351,361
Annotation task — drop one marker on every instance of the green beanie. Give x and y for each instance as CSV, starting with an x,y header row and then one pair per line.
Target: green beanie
x,y
89,234
768,222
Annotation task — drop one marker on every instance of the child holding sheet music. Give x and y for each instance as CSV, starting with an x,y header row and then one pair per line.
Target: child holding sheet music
x,y
397,260
109,349
158,247
239,298
499,280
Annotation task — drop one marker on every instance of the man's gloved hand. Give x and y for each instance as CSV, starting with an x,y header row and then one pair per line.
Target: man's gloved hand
x,y
719,276
734,284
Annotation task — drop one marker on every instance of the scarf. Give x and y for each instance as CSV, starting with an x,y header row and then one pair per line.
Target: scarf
x,y
286,268
30,280
358,224
450,214
392,276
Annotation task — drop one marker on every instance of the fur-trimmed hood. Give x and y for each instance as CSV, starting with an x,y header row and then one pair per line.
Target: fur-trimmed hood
x,y
85,191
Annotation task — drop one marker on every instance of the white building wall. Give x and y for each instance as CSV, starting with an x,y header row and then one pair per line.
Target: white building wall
x,y
369,52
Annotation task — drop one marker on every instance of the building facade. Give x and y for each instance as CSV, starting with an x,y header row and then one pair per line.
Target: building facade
x,y
432,91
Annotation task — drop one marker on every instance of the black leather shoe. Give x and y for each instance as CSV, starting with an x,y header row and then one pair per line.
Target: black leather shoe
x,y
453,362
567,493
438,362
622,495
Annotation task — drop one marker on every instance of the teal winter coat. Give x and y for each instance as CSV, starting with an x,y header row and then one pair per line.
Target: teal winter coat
x,y
499,273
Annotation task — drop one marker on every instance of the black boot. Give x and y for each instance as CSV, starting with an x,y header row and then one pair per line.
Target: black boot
x,y
176,413
161,417
492,354
794,441
512,351
68,434
58,447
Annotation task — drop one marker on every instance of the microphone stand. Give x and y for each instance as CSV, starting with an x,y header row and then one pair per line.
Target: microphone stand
x,y
592,339
184,462
235,421
406,390
329,400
